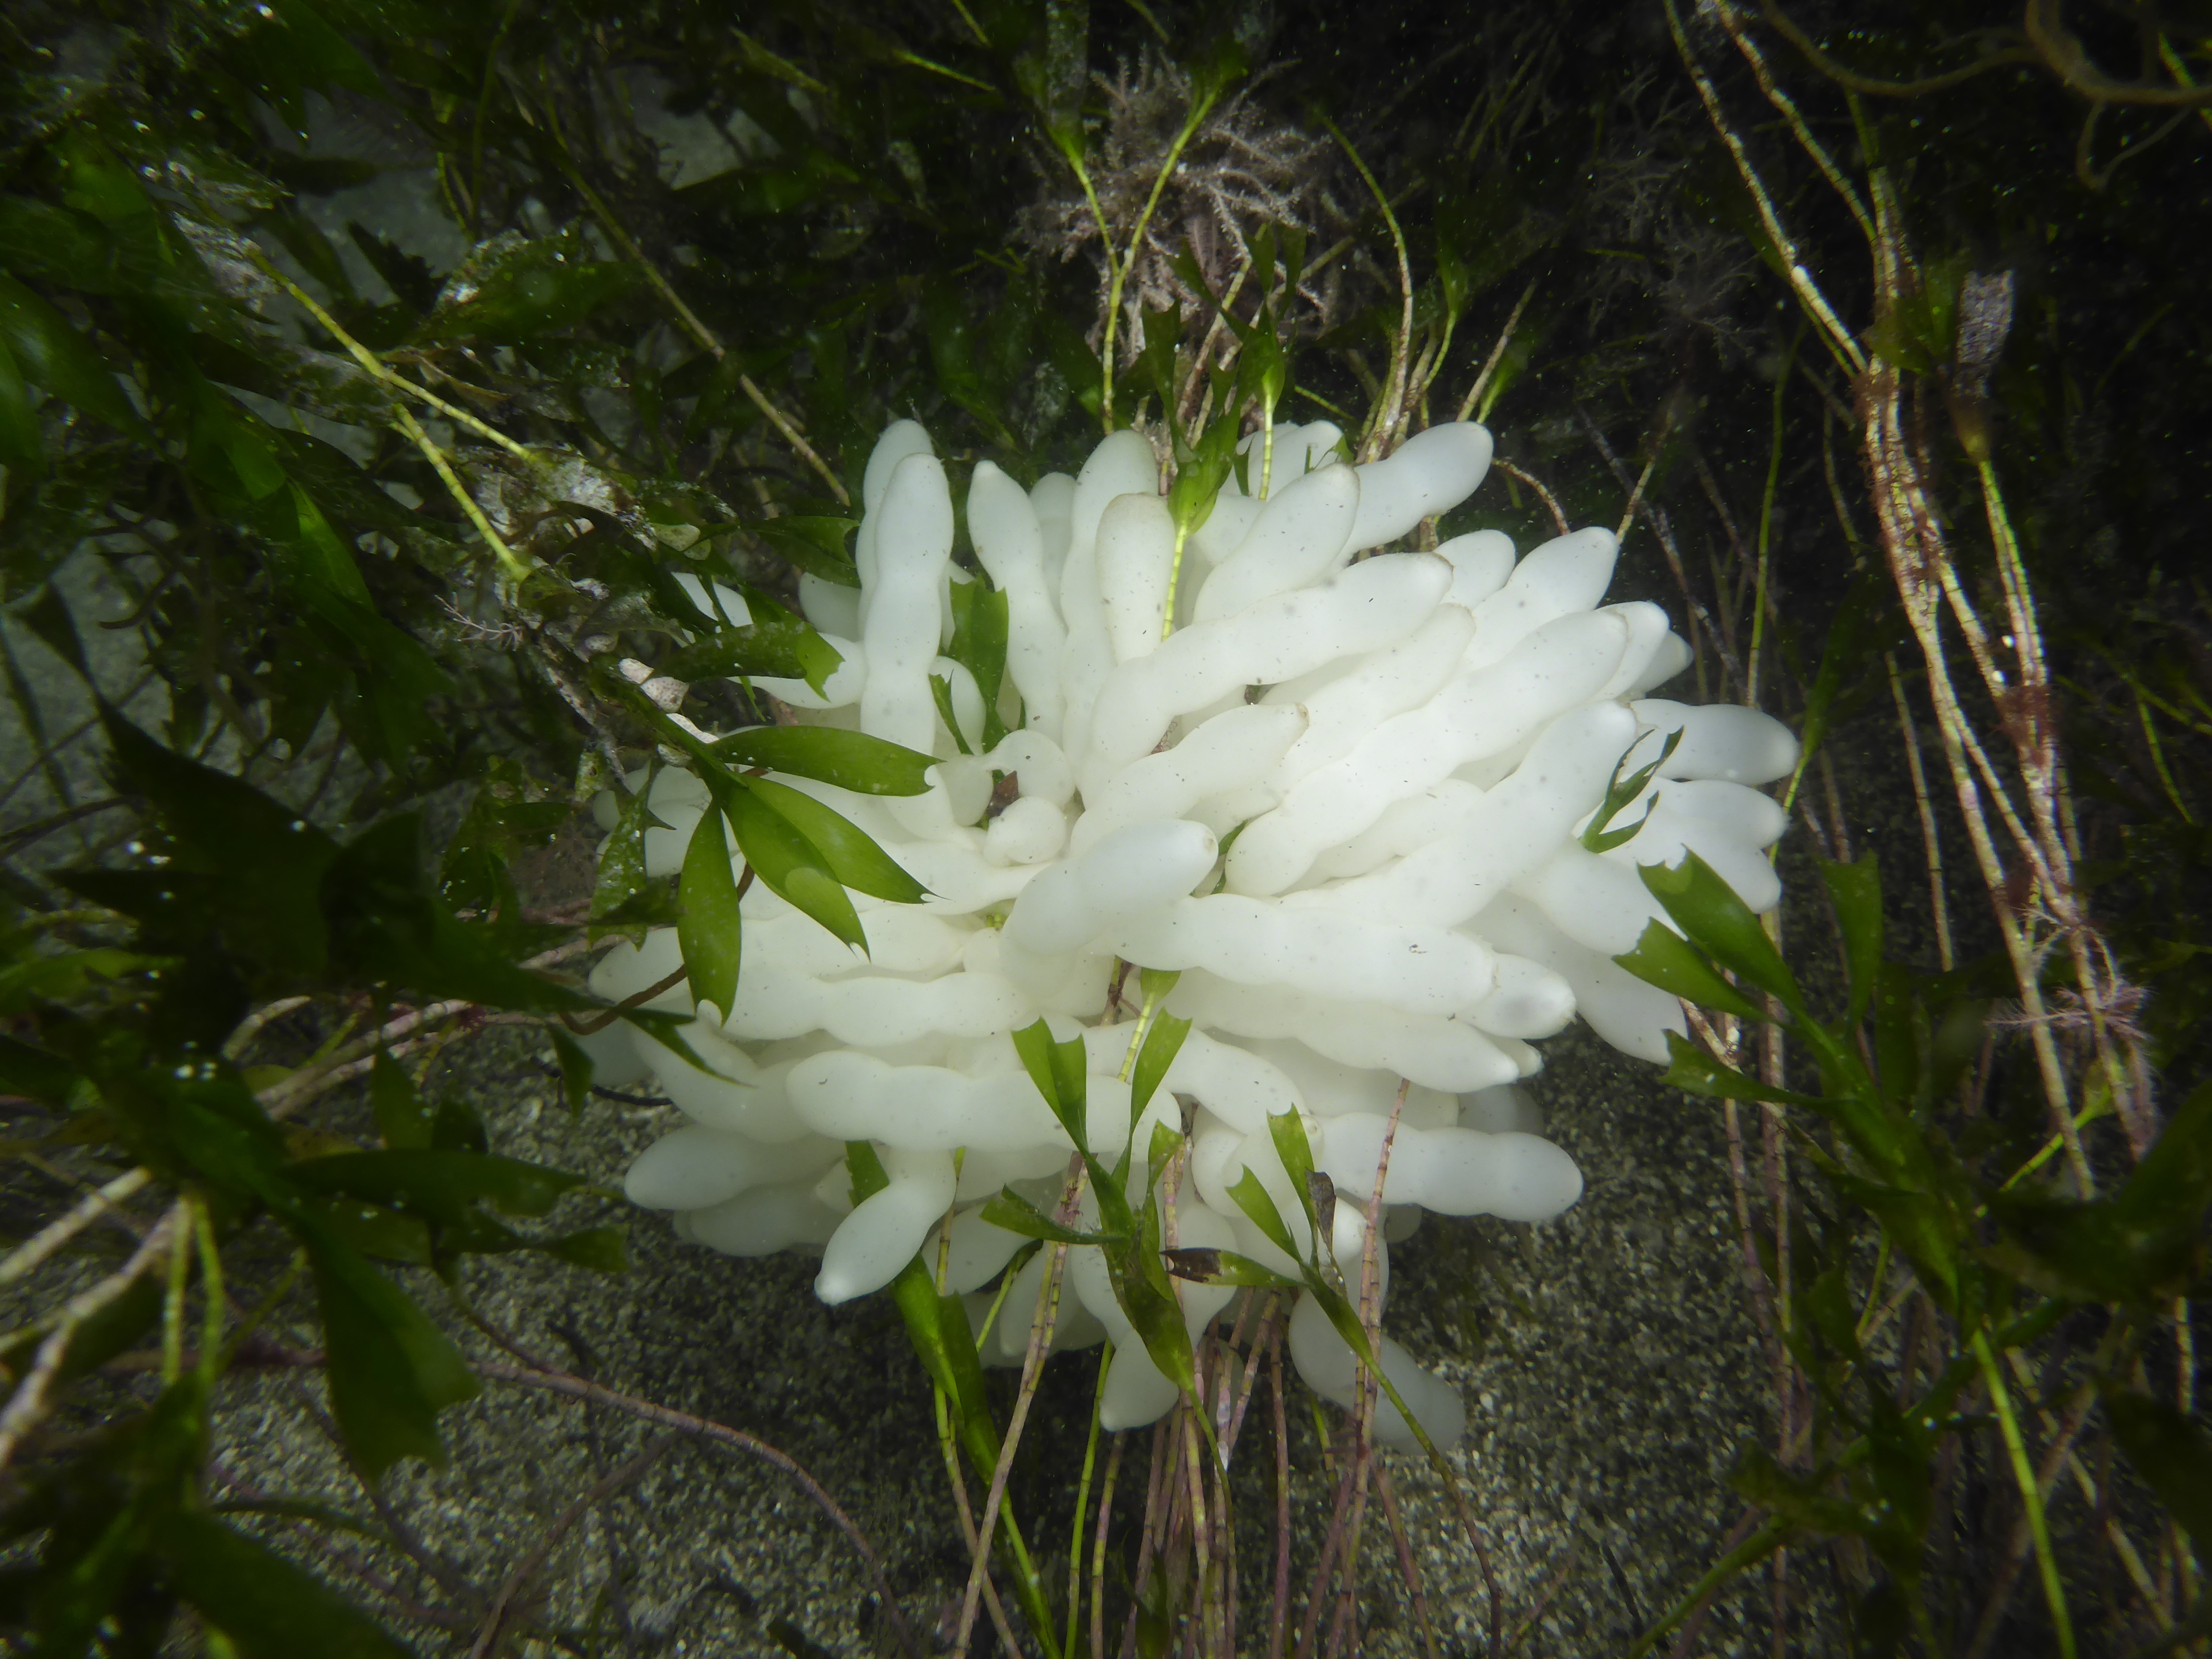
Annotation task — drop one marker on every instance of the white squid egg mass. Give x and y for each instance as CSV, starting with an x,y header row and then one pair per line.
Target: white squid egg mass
x,y
1340,792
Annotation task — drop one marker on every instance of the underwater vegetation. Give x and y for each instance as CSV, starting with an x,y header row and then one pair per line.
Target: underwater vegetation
x,y
517,522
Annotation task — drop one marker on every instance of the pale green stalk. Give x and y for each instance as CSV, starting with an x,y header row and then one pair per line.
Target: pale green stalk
x,y
1119,271
510,562
1082,1504
384,375
210,1357
1766,535
2030,1495
173,1304
1174,581
1480,396
1389,412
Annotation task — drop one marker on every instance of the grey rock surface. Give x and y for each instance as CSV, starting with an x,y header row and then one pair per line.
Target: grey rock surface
x,y
1609,1365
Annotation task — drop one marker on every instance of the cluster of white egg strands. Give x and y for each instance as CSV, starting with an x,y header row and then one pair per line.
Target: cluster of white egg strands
x,y
1405,746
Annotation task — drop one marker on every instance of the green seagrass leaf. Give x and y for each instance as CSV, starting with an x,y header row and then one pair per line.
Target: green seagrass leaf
x,y
1209,1267
66,247
1288,1131
844,850
27,1070
851,760
388,926
1693,1071
1008,1209
940,693
1161,1044
622,878
866,1168
1664,958
2174,1455
390,1370
1165,1144
937,1327
979,625
401,1114
1258,1204
55,356
529,290
1061,1076
267,1606
710,932
576,1068
2172,1188
597,1250
262,866
785,857
776,643
439,1184
386,1235
1708,912
1152,1309
1793,1497
815,542
1855,889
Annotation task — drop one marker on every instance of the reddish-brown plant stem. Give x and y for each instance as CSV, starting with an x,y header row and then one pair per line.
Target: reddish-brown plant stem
x,y
491,1636
1406,1568
1156,1480
1047,1315
1099,1551
1279,1603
